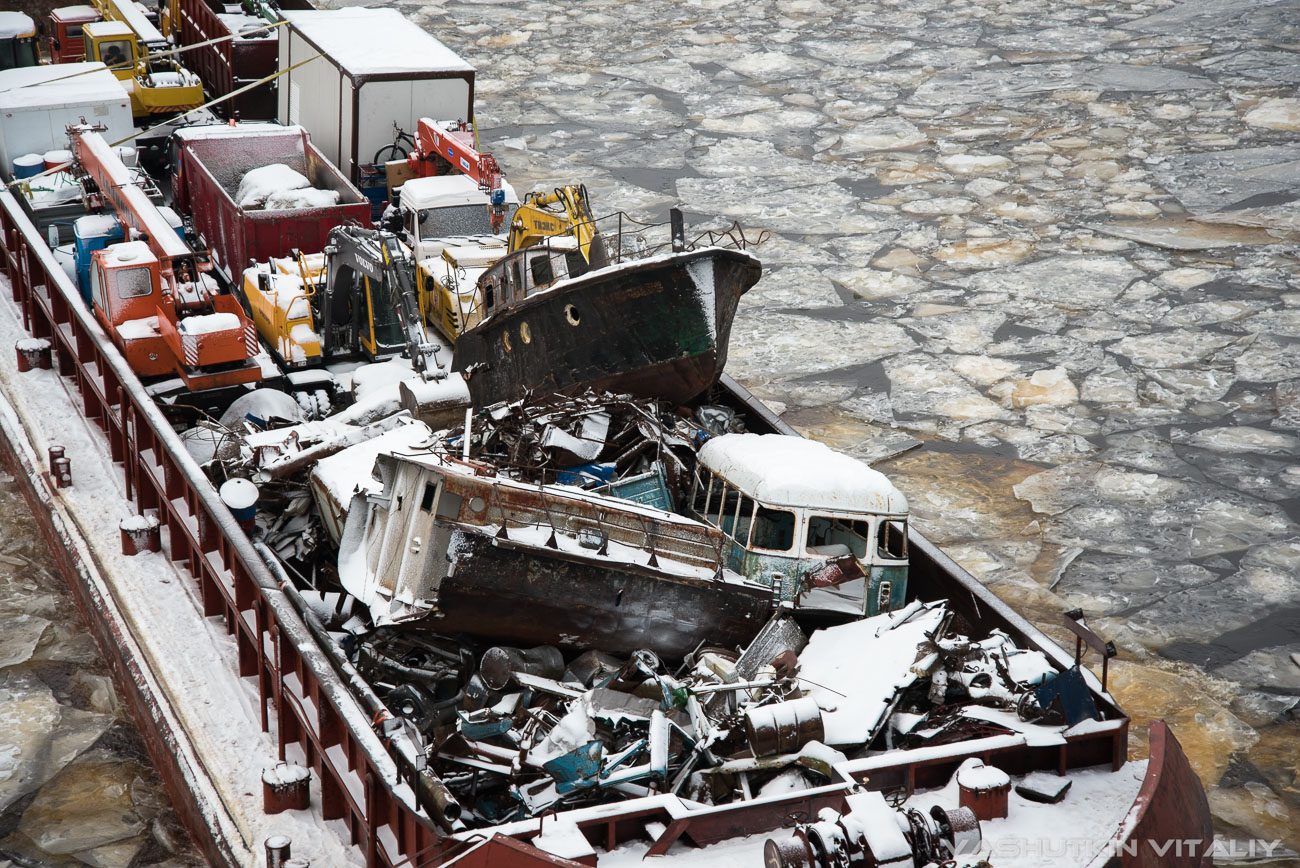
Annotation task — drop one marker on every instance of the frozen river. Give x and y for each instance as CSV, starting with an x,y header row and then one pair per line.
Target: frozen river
x,y
1038,260
1050,245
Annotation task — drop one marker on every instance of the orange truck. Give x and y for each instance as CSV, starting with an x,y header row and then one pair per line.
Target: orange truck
x,y
156,296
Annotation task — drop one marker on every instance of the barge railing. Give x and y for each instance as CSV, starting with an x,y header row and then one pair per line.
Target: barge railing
x,y
359,781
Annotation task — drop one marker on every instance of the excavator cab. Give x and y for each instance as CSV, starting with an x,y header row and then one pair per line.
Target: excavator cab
x,y
566,210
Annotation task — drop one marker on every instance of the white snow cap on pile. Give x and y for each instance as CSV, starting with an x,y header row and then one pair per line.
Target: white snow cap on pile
x,y
791,471
278,187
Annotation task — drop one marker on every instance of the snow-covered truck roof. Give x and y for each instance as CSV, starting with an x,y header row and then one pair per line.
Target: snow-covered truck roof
x,y
374,41
446,191
781,470
15,24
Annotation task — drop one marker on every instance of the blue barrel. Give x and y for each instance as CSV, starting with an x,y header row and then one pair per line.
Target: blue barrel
x,y
28,166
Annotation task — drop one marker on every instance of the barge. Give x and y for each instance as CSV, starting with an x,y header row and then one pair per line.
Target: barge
x,y
229,671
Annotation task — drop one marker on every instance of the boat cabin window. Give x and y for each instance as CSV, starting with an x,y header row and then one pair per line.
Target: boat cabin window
x,y
575,264
489,294
893,540
516,281
134,282
833,537
543,272
773,529
430,493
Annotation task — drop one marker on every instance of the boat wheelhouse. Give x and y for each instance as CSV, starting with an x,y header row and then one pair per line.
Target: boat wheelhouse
x,y
825,527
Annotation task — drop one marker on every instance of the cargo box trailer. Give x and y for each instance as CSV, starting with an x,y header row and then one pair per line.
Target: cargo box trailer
x,y
365,70
39,103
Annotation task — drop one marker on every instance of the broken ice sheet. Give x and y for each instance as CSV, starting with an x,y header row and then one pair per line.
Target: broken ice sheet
x,y
1070,282
769,347
38,737
1240,438
19,636
922,385
86,806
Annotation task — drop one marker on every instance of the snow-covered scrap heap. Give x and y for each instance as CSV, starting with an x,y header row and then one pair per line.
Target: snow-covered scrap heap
x,y
517,732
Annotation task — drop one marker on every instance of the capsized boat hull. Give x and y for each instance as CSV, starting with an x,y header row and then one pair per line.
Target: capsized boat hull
x,y
655,328
512,592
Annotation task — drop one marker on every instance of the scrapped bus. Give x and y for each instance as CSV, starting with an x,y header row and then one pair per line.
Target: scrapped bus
x,y
821,528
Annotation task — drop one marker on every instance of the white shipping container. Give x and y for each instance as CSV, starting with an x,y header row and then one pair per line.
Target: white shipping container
x,y
362,71
38,103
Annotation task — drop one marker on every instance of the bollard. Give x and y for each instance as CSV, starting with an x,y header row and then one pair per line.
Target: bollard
x,y
55,453
286,787
62,472
140,533
277,851
33,353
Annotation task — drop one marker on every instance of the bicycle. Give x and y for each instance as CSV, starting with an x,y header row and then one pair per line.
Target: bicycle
x,y
397,150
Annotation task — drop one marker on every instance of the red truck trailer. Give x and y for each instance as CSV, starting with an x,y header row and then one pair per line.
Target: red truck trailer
x,y
251,54
210,161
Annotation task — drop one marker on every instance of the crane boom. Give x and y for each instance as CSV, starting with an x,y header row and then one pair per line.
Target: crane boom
x,y
133,208
453,142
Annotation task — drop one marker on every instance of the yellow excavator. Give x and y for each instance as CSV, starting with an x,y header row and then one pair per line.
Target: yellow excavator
x,y
123,41
539,218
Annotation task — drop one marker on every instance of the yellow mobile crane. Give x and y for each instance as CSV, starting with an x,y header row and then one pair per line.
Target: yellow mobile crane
x,y
123,41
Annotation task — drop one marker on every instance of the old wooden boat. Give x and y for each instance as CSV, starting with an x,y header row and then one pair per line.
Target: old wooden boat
x,y
655,326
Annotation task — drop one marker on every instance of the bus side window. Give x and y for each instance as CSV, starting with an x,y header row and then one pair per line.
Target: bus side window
x,y
744,520
727,509
773,529
892,544
700,492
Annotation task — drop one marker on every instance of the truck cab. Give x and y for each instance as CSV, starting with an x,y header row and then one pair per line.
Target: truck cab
x,y
823,529
67,41
451,212
17,41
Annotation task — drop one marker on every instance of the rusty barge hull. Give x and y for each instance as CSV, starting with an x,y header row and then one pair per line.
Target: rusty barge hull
x,y
506,591
652,328
304,703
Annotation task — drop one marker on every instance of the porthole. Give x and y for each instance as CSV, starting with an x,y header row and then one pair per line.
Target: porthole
x,y
477,504
572,315
525,333
505,340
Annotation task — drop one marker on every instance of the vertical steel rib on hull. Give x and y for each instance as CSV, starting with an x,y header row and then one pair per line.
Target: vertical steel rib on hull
x,y
653,328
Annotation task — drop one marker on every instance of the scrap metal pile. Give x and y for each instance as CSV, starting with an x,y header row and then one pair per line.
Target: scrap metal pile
x,y
593,438
513,733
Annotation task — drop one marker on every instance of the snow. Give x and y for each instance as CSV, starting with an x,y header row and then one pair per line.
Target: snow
x,y
448,191
701,272
374,41
95,225
259,184
138,523
32,86
562,838
303,198
854,698
57,156
283,774
138,329
209,323
239,494
32,345
791,471
351,469
15,24
973,774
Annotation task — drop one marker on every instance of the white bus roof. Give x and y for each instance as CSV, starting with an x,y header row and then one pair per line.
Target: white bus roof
x,y
447,191
781,470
